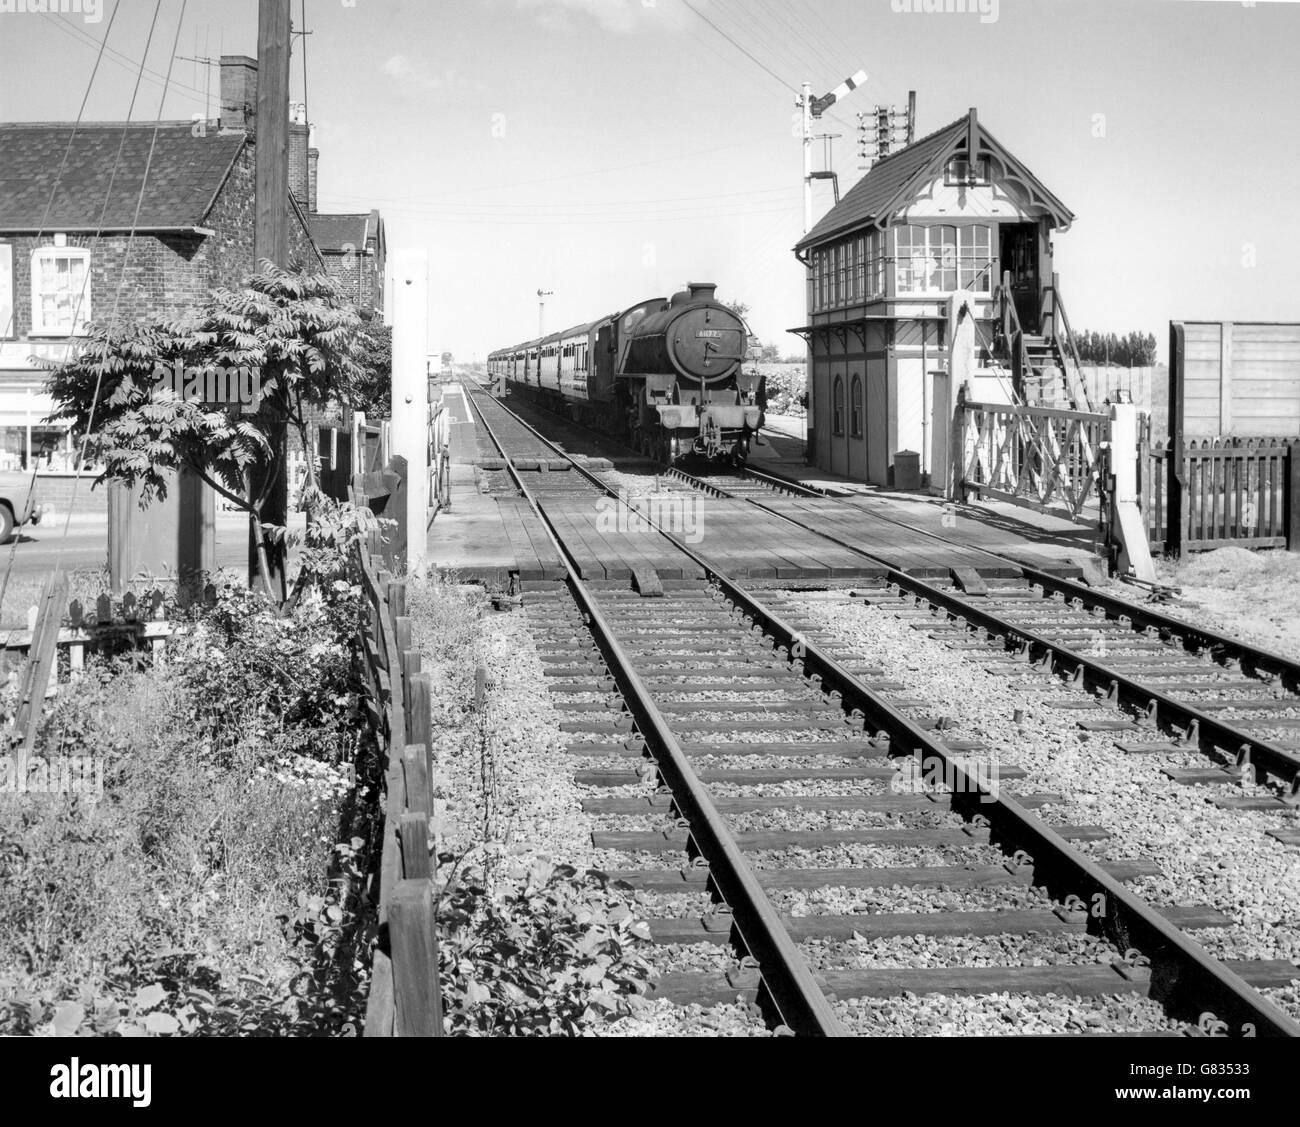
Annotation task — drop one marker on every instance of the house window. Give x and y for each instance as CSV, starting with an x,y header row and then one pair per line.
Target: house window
x,y
60,291
860,270
976,258
856,407
838,413
961,172
7,326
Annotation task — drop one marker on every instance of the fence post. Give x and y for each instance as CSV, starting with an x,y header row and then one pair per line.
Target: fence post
x,y
1178,512
413,941
1293,498
421,697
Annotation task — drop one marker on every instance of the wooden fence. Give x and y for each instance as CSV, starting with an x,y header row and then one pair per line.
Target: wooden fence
x,y
1242,493
133,623
405,997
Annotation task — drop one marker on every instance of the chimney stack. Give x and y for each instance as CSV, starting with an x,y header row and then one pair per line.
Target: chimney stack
x,y
238,94
299,144
313,181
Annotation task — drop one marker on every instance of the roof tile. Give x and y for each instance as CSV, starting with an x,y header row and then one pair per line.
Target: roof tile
x,y
98,168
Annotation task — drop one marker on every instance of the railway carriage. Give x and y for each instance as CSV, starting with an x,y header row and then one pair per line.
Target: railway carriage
x,y
666,375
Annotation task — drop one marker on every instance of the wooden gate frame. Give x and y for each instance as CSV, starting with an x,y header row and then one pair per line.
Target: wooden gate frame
x,y
1039,483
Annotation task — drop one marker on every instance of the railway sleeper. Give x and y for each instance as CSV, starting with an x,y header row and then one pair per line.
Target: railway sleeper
x,y
718,929
1087,981
946,876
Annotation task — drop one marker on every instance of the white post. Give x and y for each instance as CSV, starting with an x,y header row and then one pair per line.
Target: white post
x,y
1127,522
542,295
806,106
410,428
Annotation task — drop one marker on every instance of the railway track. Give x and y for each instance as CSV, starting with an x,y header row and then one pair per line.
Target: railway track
x,y
797,818
1236,703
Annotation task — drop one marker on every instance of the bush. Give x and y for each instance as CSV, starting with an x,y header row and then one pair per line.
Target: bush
x,y
196,896
539,954
786,387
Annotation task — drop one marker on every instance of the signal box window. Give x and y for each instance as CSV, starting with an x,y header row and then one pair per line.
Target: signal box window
x,y
962,172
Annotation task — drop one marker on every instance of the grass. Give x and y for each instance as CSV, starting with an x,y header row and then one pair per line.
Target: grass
x,y
208,860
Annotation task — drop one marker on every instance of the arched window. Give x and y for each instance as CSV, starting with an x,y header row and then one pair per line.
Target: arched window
x,y
855,407
838,414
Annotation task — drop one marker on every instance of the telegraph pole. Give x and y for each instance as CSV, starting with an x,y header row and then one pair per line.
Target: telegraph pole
x,y
271,241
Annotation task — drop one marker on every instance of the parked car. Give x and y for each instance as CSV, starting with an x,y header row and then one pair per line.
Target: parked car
x,y
17,504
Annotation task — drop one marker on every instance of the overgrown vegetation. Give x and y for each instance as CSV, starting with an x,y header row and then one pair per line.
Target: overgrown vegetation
x,y
787,387
216,885
373,393
539,952
210,889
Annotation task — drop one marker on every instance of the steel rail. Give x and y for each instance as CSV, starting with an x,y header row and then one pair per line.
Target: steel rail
x,y
1208,732
1141,618
794,991
1184,975
1198,726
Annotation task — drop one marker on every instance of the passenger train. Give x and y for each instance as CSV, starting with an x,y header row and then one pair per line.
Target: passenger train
x,y
666,375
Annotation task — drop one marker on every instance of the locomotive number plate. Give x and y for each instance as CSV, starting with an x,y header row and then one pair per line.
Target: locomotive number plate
x,y
711,334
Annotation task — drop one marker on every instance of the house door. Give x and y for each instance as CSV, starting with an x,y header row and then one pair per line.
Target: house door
x,y
1019,253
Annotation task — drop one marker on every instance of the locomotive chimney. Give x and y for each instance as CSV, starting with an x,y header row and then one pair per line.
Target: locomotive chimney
x,y
703,291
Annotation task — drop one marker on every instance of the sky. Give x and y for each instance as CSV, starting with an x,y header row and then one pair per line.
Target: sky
x,y
610,151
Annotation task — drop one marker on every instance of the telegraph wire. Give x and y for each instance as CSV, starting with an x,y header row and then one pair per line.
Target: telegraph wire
x,y
742,49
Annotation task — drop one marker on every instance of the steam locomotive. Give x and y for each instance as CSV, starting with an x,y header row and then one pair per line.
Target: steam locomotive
x,y
667,376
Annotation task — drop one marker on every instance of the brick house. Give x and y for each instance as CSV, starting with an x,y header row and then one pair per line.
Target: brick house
x,y
67,258
355,249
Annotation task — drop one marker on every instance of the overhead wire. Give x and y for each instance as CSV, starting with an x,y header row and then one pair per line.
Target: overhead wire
x,y
155,77
740,47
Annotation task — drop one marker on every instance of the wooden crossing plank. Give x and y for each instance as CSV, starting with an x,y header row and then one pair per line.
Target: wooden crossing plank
x,y
526,561
587,561
547,552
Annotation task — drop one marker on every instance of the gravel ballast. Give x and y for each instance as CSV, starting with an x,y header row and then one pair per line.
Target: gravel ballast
x,y
1208,856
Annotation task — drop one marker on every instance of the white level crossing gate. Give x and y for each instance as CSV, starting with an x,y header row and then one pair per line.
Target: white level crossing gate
x,y
1075,464
1039,457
